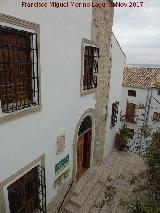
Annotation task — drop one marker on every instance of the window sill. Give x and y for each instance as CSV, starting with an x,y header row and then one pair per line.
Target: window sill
x,y
5,117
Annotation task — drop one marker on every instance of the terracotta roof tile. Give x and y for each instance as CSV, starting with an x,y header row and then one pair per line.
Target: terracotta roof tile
x,y
141,77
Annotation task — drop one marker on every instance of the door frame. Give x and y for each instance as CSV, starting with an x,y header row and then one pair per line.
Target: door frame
x,y
89,112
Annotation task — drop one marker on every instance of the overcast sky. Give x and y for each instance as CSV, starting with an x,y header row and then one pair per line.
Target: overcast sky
x,y
138,32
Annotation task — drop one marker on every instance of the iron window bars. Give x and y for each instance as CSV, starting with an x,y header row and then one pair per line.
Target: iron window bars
x,y
19,80
28,194
114,115
91,56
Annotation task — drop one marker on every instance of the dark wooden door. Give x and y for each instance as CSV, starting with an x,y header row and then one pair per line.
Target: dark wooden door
x,y
87,149
80,156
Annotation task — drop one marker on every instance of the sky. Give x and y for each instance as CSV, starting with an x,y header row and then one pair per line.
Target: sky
x,y
138,31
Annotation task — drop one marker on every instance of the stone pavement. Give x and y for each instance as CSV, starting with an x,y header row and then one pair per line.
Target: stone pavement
x,y
106,188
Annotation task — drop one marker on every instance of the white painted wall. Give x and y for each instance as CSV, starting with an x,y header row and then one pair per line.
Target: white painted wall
x,y
118,61
23,140
141,98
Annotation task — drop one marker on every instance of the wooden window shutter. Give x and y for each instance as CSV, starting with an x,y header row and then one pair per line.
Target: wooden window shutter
x,y
132,93
130,112
88,67
24,193
19,77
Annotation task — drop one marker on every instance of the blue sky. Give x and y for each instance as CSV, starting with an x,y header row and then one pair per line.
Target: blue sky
x,y
138,32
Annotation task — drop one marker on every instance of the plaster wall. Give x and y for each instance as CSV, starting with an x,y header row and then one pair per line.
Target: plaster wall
x,y
118,62
24,139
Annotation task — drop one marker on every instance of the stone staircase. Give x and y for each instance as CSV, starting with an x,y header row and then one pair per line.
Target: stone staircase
x,y
86,191
112,177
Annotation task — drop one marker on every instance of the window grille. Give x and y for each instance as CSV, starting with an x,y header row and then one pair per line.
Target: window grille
x,y
28,193
19,80
114,115
91,56
132,93
130,113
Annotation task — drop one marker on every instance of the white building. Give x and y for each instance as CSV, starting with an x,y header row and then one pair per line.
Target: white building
x,y
118,62
141,104
48,80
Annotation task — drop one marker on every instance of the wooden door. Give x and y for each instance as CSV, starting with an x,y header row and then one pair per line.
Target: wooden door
x,y
87,149
80,156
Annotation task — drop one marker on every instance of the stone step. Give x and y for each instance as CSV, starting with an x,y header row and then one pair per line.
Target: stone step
x,y
71,208
83,181
79,199
92,197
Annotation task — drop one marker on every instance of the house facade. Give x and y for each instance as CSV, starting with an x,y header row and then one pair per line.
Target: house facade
x,y
115,93
56,95
141,105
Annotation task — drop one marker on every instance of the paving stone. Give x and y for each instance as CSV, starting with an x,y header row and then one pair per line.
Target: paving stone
x,y
94,193
118,171
80,199
71,208
83,181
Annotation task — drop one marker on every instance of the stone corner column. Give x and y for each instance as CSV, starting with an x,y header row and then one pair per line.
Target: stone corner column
x,y
101,32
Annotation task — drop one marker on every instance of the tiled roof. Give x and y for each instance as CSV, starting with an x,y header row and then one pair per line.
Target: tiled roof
x,y
141,77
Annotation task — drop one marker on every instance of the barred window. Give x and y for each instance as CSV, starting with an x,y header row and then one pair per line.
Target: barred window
x,y
19,80
91,55
28,193
130,112
114,116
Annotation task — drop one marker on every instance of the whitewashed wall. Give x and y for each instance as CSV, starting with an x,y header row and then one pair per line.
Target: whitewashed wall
x,y
23,140
118,61
141,98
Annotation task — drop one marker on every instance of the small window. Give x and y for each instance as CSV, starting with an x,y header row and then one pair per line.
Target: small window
x,y
19,80
91,55
132,93
158,92
156,116
130,112
131,133
114,116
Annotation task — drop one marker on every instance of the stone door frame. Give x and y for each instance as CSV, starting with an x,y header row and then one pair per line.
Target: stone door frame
x,y
89,112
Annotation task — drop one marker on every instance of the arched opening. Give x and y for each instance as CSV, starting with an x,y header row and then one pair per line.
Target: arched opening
x,y
84,146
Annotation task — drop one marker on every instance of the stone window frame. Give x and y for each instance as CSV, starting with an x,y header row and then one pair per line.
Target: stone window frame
x,y
90,43
30,26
